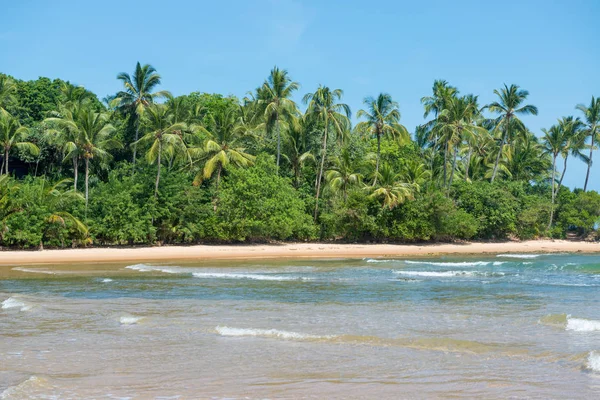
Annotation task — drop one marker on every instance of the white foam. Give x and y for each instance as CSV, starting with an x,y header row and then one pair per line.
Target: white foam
x,y
447,274
582,325
526,256
106,280
13,302
257,277
129,320
593,361
151,268
373,260
34,270
272,333
451,264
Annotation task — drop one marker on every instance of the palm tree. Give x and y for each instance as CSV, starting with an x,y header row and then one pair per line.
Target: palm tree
x,y
137,95
8,90
391,191
414,172
555,142
95,140
274,98
383,119
163,132
13,136
592,121
223,147
509,106
343,173
323,106
296,147
575,142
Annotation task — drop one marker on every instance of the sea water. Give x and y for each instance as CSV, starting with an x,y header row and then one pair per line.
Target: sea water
x,y
507,326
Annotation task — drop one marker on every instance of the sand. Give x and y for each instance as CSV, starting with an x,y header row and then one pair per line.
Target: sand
x,y
287,250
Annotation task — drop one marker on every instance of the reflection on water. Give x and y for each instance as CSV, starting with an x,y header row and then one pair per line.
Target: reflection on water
x,y
493,327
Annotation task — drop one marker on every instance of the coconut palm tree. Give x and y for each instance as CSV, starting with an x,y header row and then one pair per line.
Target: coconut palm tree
x,y
297,147
137,95
8,90
275,99
555,142
509,106
13,136
223,147
390,190
572,129
382,119
344,173
163,133
324,106
592,122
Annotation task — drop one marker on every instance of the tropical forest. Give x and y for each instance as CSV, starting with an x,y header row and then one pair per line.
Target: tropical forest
x,y
142,166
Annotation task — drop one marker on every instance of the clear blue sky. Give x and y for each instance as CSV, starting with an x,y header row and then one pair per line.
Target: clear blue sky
x,y
548,47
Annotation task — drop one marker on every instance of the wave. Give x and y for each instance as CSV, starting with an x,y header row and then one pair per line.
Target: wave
x,y
452,264
129,320
152,268
13,302
373,260
257,277
582,325
593,361
269,333
106,280
448,274
34,270
525,256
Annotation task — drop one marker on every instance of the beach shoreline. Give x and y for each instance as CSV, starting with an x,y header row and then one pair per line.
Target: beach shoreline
x,y
287,251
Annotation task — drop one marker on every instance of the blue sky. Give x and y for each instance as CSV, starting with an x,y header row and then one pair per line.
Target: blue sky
x,y
547,47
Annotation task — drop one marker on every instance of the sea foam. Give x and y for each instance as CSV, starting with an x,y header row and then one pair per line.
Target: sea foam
x,y
151,268
34,270
13,302
447,274
257,277
268,333
129,320
452,264
582,325
525,256
593,361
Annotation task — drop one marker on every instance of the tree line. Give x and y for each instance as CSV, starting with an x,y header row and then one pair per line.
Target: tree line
x,y
144,166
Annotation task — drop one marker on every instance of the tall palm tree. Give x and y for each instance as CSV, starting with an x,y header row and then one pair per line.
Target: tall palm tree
x,y
8,90
274,98
592,122
95,140
509,106
13,136
324,107
572,129
343,173
223,147
137,95
555,142
382,119
162,133
297,149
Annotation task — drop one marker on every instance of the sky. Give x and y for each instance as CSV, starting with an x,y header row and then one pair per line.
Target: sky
x,y
547,47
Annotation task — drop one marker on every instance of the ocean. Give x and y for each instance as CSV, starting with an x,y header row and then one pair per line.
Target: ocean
x,y
493,326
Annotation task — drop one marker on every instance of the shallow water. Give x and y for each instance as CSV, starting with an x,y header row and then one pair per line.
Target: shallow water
x,y
485,327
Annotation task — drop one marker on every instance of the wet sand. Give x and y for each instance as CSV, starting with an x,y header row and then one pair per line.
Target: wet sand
x,y
287,250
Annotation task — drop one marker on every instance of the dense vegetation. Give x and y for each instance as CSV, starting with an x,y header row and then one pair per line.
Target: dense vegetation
x,y
142,166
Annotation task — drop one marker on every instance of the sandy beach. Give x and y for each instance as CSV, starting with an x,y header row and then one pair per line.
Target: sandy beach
x,y
287,250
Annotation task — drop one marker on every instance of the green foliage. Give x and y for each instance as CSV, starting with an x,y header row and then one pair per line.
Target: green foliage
x,y
256,204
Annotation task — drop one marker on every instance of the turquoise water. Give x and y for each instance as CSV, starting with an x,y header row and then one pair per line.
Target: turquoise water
x,y
487,326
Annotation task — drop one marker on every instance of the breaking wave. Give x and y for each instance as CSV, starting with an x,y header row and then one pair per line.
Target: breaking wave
x,y
524,256
582,325
256,277
13,302
34,270
593,361
129,320
451,264
448,274
269,333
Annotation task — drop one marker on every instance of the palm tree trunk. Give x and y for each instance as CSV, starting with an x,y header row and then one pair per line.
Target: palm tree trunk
x,y
217,187
468,163
498,158
587,175
278,142
378,156
137,133
318,183
75,173
4,162
87,169
563,174
6,152
158,169
453,167
445,162
553,193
